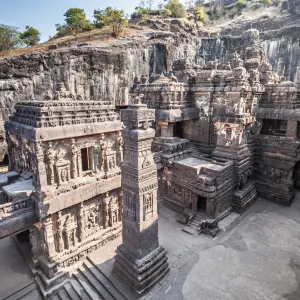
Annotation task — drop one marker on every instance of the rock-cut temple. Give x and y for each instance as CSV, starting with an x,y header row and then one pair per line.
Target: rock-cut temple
x,y
205,141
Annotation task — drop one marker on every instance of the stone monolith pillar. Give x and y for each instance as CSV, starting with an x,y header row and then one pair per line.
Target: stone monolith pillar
x,y
140,260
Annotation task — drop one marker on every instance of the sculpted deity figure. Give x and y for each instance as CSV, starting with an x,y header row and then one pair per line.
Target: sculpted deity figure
x,y
236,61
144,79
173,77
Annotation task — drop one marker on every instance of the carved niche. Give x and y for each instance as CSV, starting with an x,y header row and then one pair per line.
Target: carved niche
x,y
130,205
114,210
62,167
148,206
69,231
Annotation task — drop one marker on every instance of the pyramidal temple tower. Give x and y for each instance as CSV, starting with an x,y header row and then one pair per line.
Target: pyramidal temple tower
x,y
140,260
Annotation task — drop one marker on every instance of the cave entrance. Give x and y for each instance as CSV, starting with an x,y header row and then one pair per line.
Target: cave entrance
x,y
201,204
178,129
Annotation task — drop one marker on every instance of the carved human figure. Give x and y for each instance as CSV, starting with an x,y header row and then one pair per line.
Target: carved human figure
x,y
102,149
74,158
144,79
120,143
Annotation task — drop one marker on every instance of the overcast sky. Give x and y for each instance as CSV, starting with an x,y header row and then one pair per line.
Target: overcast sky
x,y
44,14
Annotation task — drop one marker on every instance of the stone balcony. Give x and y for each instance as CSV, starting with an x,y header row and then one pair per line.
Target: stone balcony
x,y
171,149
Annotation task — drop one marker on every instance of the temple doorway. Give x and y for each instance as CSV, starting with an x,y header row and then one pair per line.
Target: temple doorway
x,y
178,129
201,204
297,175
23,237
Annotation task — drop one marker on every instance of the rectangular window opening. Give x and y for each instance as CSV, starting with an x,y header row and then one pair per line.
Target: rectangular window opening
x,y
274,127
86,159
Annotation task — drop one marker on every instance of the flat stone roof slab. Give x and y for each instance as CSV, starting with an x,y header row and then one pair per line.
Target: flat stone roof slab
x,y
4,176
200,163
20,189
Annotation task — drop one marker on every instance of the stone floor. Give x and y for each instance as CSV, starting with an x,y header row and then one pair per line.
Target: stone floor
x,y
256,257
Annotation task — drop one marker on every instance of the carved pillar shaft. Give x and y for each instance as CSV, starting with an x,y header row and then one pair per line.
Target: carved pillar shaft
x,y
140,221
79,163
35,242
40,166
49,237
81,222
59,238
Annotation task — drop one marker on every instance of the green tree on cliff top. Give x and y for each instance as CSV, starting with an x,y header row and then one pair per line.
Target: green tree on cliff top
x,y
175,9
9,37
75,21
109,16
31,36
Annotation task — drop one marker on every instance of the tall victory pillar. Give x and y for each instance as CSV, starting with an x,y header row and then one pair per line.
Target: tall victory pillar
x,y
140,260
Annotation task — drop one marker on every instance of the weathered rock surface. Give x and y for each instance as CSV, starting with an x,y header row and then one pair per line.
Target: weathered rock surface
x,y
108,69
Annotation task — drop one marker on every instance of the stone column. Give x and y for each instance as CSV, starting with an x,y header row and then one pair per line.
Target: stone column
x,y
74,159
79,168
59,238
49,237
41,175
35,243
140,260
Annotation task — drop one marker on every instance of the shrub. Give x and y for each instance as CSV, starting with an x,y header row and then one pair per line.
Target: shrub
x,y
109,16
176,8
240,4
266,2
201,14
256,6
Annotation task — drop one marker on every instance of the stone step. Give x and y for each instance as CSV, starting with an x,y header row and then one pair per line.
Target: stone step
x,y
87,285
71,291
80,286
63,295
190,230
107,269
110,286
22,292
96,281
56,297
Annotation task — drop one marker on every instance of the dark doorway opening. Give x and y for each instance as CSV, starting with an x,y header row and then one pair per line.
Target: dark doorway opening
x,y
296,175
23,237
201,205
178,129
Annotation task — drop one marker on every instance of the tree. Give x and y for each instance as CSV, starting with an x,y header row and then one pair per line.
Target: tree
x,y
75,21
9,38
31,36
176,8
109,16
240,4
201,14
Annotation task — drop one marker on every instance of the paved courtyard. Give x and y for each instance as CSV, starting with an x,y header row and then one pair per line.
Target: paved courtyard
x,y
257,257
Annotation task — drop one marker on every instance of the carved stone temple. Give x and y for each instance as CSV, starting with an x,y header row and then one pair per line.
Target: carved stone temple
x,y
63,183
140,260
208,138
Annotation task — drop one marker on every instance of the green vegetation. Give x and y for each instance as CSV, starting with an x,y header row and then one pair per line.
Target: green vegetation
x,y
201,14
9,37
31,36
12,38
266,2
255,6
175,9
75,22
113,17
240,4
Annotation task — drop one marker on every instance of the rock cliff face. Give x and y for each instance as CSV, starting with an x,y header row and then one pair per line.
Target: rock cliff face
x,y
107,70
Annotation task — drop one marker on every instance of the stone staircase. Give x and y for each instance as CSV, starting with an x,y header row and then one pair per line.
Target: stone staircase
x,y
91,282
200,224
194,225
23,293
195,151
